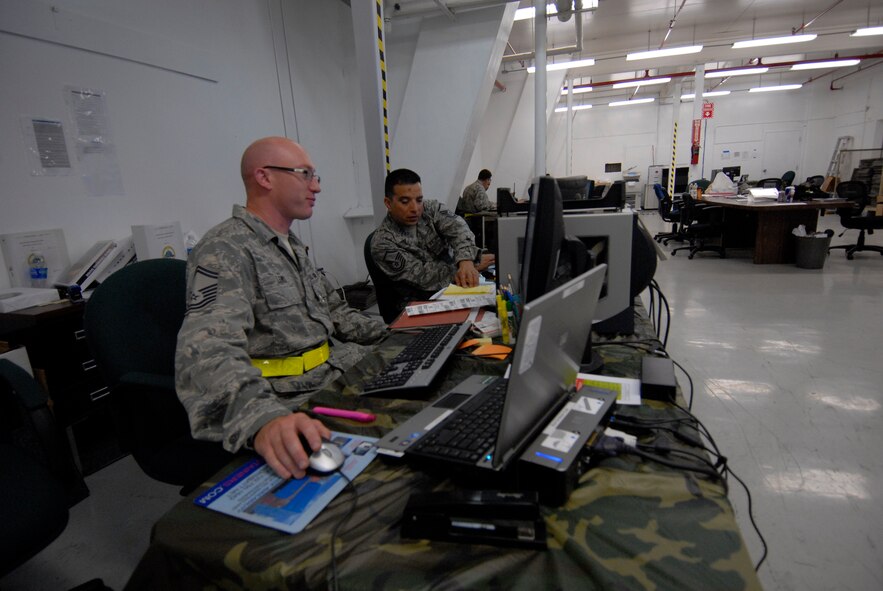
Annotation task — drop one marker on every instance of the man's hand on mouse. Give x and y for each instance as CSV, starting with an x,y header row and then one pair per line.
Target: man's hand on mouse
x,y
278,442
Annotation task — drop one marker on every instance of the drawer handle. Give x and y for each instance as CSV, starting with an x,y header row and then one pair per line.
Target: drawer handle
x,y
99,394
87,365
80,334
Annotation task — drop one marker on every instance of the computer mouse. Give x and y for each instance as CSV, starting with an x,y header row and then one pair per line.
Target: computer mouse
x,y
327,458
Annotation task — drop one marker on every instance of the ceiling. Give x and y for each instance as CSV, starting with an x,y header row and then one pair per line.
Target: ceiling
x,y
613,28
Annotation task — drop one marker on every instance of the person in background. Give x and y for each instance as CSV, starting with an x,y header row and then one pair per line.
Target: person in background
x,y
256,338
422,246
475,199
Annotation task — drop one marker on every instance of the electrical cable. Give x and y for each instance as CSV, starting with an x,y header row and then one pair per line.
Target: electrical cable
x,y
751,518
332,575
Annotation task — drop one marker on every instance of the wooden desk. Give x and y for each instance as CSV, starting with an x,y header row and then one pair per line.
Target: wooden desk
x,y
630,524
768,225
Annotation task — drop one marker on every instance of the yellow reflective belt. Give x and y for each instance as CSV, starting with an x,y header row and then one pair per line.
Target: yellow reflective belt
x,y
293,366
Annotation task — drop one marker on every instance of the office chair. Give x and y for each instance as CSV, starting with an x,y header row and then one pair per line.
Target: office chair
x,y
38,478
815,181
853,218
388,301
770,183
132,322
669,212
788,178
699,224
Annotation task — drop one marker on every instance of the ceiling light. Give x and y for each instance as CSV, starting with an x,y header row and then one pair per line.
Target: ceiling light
x,y
631,102
774,88
641,82
827,64
575,108
867,32
692,95
578,90
736,72
773,41
564,65
522,14
645,55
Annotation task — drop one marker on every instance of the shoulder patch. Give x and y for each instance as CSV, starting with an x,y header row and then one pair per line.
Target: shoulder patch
x,y
395,260
204,291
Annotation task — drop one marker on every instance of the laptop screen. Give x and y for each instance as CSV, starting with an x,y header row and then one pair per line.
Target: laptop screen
x,y
553,333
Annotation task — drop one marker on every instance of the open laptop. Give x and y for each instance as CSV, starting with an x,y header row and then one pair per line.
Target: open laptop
x,y
554,330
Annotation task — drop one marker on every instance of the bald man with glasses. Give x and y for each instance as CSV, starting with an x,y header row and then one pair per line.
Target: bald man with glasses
x,y
255,342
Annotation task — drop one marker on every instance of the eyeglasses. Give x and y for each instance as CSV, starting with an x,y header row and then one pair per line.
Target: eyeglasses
x,y
307,173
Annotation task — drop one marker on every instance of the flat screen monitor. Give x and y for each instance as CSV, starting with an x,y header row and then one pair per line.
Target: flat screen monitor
x,y
682,174
574,187
543,235
734,172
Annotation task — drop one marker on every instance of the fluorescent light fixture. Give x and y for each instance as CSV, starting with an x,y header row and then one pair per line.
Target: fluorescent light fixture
x,y
827,64
579,90
775,88
867,32
575,108
773,41
525,13
631,102
641,82
564,65
736,72
646,55
692,95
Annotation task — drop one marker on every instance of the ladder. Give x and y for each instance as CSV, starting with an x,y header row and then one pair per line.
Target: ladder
x,y
843,143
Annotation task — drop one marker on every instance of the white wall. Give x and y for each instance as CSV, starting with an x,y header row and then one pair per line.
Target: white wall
x,y
188,86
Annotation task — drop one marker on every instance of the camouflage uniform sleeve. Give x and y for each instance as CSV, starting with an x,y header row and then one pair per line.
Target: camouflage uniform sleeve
x,y
483,203
349,324
402,264
454,230
226,398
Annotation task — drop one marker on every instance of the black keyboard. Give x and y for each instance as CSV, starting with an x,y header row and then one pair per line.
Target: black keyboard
x,y
471,431
419,363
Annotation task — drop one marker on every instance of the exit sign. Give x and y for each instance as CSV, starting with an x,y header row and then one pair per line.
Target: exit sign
x,y
707,110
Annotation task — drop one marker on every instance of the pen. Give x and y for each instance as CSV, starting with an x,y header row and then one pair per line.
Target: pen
x,y
355,415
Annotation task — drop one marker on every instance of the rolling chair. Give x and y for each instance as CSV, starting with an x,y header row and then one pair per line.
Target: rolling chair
x,y
132,322
788,178
852,218
815,181
770,183
387,296
700,224
669,212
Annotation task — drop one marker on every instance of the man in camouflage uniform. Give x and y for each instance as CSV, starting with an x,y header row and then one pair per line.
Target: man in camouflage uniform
x,y
475,199
255,340
422,246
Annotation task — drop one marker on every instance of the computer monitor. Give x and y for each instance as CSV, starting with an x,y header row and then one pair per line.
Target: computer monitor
x,y
682,174
734,172
574,187
543,235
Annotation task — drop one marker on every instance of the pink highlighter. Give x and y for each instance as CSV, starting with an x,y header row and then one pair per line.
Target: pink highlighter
x,y
362,417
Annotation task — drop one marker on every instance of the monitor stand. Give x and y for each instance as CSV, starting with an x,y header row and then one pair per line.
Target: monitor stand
x,y
591,361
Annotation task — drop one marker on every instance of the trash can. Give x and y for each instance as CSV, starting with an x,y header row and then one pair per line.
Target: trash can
x,y
812,250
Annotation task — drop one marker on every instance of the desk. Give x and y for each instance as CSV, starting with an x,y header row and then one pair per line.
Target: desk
x,y
768,224
629,525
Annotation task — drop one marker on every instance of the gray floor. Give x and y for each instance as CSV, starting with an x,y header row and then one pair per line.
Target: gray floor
x,y
787,368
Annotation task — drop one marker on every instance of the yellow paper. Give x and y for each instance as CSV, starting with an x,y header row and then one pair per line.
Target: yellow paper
x,y
456,290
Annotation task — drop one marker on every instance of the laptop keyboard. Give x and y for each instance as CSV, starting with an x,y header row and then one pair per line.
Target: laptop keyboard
x,y
419,362
470,431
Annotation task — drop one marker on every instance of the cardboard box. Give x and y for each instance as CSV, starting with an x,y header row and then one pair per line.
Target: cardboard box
x,y
159,241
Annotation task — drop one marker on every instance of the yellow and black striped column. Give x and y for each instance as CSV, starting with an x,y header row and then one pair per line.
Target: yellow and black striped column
x,y
380,49
674,152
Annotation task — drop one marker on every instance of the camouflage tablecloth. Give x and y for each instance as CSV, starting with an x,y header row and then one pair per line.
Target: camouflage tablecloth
x,y
630,524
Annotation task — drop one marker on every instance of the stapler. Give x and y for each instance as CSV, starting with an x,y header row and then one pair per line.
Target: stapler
x,y
477,517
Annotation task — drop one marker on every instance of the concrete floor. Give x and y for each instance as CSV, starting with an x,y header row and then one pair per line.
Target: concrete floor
x,y
786,364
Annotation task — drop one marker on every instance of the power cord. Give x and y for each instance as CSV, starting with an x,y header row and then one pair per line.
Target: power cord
x,y
332,575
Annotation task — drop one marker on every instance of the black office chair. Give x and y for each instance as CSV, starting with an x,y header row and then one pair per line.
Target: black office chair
x,y
132,322
700,224
38,478
770,183
669,212
853,218
788,178
815,181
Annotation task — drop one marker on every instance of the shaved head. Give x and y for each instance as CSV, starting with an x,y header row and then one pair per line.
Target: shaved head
x,y
268,150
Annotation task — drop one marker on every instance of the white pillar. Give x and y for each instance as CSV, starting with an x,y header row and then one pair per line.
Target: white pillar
x,y
539,161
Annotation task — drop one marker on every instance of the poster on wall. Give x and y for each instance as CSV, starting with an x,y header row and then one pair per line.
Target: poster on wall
x,y
46,147
93,141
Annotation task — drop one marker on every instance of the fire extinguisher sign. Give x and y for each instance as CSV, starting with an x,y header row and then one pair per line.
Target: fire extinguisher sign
x,y
697,123
707,110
